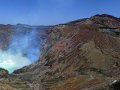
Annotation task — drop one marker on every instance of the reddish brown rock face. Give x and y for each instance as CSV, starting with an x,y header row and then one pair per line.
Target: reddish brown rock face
x,y
78,56
3,73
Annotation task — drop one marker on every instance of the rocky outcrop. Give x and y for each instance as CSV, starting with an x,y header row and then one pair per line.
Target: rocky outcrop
x,y
3,73
77,56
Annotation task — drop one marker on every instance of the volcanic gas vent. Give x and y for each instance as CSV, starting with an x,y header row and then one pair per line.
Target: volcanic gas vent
x,y
20,45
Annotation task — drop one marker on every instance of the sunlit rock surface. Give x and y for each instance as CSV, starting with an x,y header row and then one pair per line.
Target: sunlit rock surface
x,y
76,56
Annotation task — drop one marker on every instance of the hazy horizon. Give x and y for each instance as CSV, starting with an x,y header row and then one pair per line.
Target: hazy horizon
x,y
52,12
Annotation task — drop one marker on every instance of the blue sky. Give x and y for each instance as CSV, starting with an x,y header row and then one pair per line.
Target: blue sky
x,y
49,12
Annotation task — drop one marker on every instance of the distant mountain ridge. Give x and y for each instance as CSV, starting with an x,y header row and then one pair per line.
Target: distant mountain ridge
x,y
101,20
